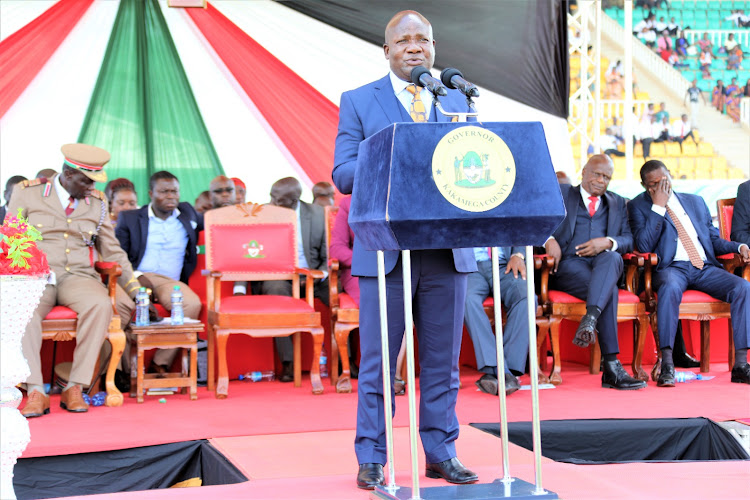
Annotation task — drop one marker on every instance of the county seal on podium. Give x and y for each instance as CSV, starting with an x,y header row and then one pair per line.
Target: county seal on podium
x,y
473,169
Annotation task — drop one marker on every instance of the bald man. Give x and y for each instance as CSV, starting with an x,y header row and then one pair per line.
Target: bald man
x,y
439,276
222,192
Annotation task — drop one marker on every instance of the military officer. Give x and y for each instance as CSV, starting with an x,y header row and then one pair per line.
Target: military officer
x,y
73,218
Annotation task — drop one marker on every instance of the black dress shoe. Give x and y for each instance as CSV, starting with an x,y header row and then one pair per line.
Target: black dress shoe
x,y
287,372
511,384
741,374
586,332
685,361
452,471
353,369
614,376
488,384
666,377
370,476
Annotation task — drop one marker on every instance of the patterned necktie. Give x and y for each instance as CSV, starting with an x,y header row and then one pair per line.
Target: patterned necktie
x,y
592,205
687,242
71,206
417,110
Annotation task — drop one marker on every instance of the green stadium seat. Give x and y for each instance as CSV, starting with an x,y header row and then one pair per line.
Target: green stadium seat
x,y
701,5
706,85
675,5
688,18
719,64
714,19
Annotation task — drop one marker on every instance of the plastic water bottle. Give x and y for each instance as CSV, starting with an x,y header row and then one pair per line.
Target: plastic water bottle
x,y
142,302
687,376
323,361
258,376
178,315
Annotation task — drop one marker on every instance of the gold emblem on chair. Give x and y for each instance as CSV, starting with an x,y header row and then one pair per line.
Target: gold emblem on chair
x,y
473,169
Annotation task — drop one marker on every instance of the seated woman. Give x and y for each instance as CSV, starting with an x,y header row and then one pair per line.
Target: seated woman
x,y
681,44
705,61
615,88
733,105
718,96
121,195
705,44
734,60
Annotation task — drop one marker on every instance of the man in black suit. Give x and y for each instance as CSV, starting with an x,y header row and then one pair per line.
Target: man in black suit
x,y
312,254
678,227
741,217
587,248
8,192
161,240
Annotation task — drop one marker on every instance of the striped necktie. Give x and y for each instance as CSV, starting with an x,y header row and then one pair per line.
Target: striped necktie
x,y
417,110
687,242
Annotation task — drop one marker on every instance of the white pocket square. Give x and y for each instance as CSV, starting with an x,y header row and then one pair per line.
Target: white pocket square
x,y
194,224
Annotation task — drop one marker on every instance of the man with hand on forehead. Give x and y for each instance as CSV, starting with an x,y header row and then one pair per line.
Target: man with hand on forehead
x,y
679,228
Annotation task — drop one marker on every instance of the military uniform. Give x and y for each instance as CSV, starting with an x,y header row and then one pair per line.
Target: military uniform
x,y
77,285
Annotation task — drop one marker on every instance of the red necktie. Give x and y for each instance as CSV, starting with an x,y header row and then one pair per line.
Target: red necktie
x,y
71,206
592,205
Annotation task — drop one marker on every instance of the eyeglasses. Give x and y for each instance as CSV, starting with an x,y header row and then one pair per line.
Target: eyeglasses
x,y
222,190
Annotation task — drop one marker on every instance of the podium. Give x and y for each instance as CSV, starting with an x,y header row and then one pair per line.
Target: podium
x,y
422,186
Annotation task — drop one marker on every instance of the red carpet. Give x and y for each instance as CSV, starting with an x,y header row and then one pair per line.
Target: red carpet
x,y
275,408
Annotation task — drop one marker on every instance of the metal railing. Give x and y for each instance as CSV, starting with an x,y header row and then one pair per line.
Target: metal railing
x,y
745,112
648,59
718,37
610,108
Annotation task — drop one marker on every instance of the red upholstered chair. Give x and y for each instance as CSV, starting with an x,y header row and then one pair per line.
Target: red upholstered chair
x,y
696,306
344,316
251,242
734,261
560,305
61,324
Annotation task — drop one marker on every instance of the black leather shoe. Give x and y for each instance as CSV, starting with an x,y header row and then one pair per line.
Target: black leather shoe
x,y
586,332
487,384
287,372
370,476
511,384
452,471
741,374
614,376
666,377
685,361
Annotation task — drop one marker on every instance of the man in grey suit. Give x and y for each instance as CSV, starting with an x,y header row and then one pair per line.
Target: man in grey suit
x,y
312,253
515,333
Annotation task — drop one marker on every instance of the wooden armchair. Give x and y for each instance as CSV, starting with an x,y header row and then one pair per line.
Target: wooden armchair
x,y
344,316
560,305
61,324
695,306
251,242
734,261
542,321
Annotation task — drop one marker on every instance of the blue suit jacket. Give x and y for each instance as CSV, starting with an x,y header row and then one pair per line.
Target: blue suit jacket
x,y
656,233
132,231
617,219
741,217
363,112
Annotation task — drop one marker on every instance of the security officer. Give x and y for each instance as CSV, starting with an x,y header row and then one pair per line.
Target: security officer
x,y
73,219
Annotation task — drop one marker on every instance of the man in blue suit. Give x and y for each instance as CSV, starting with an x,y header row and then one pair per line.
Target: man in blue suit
x,y
587,248
678,228
161,241
516,331
438,276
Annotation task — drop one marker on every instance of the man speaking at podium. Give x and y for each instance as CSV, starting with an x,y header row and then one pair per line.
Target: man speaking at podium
x,y
438,276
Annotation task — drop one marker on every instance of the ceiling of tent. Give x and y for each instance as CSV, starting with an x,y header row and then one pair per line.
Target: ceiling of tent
x,y
517,48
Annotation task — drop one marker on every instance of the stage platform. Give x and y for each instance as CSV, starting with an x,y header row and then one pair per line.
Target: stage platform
x,y
293,445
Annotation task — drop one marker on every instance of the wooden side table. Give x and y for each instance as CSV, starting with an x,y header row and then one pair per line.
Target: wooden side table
x,y
165,336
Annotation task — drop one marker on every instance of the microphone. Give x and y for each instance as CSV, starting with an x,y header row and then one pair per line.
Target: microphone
x,y
453,79
421,76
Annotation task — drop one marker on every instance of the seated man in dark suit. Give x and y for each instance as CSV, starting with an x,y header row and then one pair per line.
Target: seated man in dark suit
x,y
741,217
678,227
516,331
312,253
587,248
161,242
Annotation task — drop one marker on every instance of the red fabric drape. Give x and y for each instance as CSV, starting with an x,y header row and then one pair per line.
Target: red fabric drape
x,y
305,121
25,52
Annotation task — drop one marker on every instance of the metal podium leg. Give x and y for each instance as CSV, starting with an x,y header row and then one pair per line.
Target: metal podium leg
x,y
385,356
410,383
500,349
533,369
